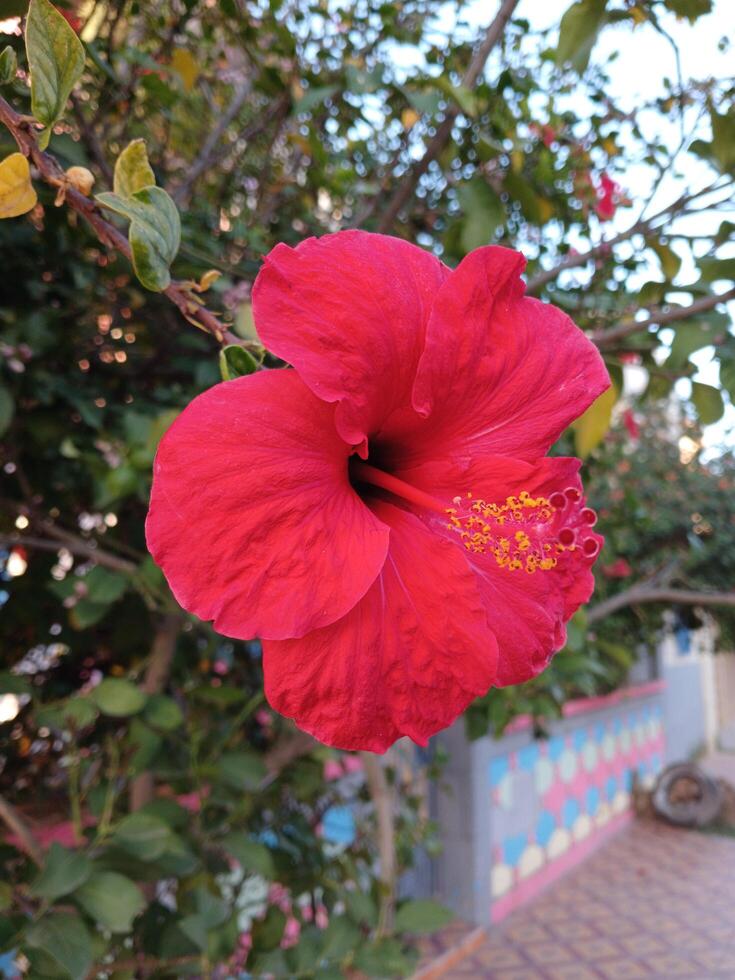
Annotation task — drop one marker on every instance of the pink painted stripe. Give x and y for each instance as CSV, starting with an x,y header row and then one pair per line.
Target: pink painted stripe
x,y
533,886
581,706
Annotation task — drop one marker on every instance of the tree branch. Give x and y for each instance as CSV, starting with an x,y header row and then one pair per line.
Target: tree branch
x,y
643,225
382,797
50,171
17,826
660,317
644,593
77,546
405,190
156,677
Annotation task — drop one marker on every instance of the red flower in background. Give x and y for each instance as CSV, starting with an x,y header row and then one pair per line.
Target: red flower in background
x,y
631,425
608,197
382,514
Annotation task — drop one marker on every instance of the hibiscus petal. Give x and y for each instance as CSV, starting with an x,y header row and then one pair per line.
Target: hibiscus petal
x,y
349,311
527,613
252,516
407,660
501,373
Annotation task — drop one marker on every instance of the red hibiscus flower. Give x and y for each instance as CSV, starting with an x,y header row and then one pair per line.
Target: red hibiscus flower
x,y
608,198
381,514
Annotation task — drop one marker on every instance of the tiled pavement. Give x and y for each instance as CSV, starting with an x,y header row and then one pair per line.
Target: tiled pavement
x,y
654,903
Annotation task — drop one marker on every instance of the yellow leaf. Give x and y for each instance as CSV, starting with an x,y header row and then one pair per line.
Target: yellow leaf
x,y
590,429
17,195
409,118
183,63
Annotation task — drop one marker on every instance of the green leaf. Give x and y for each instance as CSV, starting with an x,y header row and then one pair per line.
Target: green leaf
x,y
267,932
241,770
712,269
708,402
723,139
155,232
104,586
7,409
65,939
421,915
578,32
360,907
13,683
118,697
341,937
111,899
250,854
483,213
56,61
8,65
79,711
63,871
86,613
142,835
689,8
384,958
590,429
235,362
670,261
163,713
133,172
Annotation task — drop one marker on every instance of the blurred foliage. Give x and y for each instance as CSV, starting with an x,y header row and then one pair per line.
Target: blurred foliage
x,y
189,821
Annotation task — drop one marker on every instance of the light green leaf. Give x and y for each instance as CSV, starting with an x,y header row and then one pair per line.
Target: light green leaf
x,y
63,871
56,61
590,429
578,32
132,170
482,213
235,362
111,899
723,139
8,65
670,261
65,939
155,232
708,402
118,697
421,915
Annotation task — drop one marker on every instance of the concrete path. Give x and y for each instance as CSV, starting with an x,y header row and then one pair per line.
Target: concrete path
x,y
653,903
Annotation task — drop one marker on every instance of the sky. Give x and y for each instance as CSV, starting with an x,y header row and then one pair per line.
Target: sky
x,y
644,59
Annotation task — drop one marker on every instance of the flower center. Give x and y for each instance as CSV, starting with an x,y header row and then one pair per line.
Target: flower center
x,y
522,533
526,533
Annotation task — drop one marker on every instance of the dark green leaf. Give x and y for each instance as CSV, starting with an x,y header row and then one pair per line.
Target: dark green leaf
x,y
104,586
361,908
13,683
118,697
241,770
723,139
7,408
65,939
142,835
482,213
111,899
384,958
163,713
56,61
708,402
63,871
250,855
8,65
235,361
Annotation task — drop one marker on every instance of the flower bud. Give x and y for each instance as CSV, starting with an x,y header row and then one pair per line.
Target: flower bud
x,y
81,179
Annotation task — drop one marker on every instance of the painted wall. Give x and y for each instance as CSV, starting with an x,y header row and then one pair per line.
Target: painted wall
x,y
520,811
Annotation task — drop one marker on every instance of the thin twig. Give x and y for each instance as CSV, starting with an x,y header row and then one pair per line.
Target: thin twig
x,y
405,190
77,547
51,172
640,594
660,318
641,226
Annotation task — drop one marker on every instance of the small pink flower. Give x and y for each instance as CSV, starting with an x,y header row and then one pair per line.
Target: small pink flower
x,y
291,933
322,917
352,763
332,770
